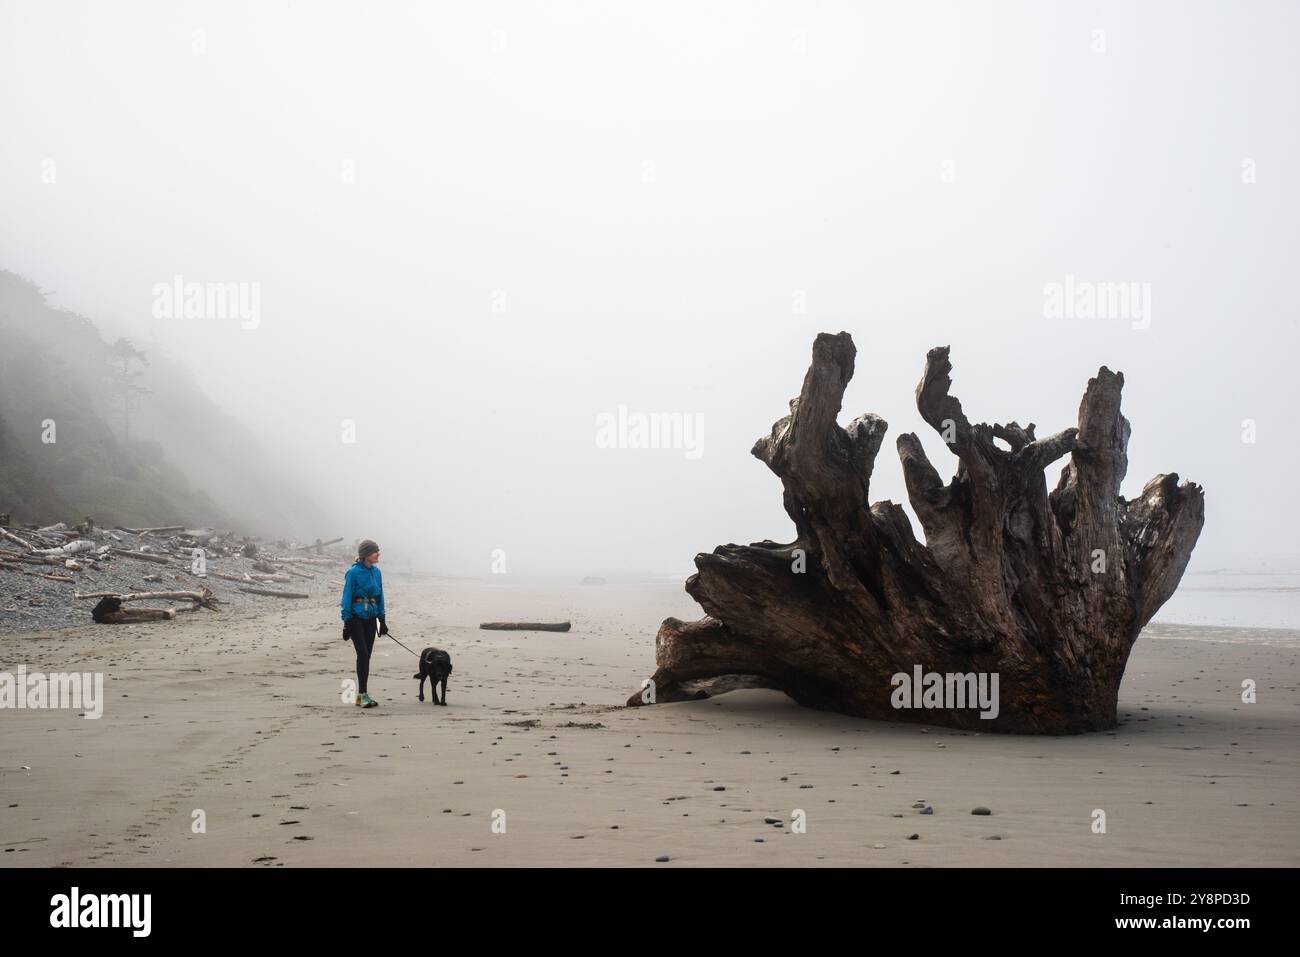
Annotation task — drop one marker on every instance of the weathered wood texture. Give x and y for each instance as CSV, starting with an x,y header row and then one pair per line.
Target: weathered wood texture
x,y
1048,590
525,625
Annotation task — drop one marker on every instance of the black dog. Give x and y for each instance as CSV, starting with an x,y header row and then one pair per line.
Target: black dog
x,y
104,611
435,664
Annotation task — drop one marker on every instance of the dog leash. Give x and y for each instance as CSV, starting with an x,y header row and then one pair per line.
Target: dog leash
x,y
390,635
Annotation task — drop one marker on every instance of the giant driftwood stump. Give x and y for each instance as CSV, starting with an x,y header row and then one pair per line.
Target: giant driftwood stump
x,y
1047,591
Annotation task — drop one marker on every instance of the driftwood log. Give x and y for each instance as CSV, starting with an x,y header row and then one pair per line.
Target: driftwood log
x,y
109,609
143,556
31,559
8,567
72,548
247,579
273,593
525,625
159,530
11,537
318,545
332,562
1046,591
202,596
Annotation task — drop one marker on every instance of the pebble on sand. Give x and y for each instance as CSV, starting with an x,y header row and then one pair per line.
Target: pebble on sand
x,y
981,810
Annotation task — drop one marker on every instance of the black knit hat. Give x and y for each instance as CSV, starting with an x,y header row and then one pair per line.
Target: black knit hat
x,y
365,548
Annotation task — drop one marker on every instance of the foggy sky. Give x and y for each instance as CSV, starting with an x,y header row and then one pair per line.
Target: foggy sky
x,y
475,228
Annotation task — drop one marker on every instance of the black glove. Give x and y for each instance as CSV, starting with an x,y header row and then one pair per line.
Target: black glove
x,y
347,632
383,626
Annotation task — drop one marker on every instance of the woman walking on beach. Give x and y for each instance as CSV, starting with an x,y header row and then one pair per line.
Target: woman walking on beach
x,y
362,605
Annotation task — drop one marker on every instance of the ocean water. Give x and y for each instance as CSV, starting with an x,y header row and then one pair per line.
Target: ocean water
x,y
1235,599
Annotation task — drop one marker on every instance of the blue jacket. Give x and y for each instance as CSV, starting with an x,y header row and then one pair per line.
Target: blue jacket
x,y
360,583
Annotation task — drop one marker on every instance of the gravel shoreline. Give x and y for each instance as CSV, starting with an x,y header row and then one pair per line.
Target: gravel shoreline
x,y
30,601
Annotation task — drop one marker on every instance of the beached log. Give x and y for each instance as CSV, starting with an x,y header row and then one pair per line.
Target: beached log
x,y
131,616
250,579
242,579
1045,591
316,545
24,571
199,596
165,529
72,548
109,611
143,556
525,625
11,537
273,593
203,598
31,559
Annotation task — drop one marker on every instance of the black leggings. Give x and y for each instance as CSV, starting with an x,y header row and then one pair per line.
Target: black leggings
x,y
363,632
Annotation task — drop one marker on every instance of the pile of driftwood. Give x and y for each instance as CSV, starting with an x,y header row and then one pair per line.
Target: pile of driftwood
x,y
58,549
61,553
109,611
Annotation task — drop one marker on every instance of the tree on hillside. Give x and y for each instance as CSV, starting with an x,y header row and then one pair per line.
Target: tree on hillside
x,y
127,364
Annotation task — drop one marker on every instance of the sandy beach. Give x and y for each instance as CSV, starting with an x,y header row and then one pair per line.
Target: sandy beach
x,y
241,718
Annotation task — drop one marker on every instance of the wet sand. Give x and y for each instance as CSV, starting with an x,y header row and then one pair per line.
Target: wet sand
x,y
241,718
